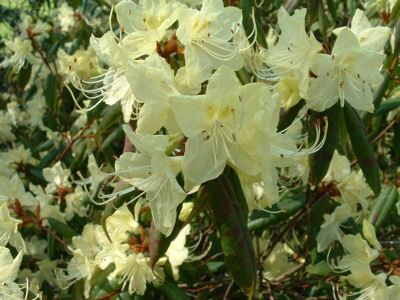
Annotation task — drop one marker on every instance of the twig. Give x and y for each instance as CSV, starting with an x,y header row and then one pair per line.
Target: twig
x,y
228,290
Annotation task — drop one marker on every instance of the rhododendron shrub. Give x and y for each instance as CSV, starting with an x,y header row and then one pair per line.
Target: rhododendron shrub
x,y
205,149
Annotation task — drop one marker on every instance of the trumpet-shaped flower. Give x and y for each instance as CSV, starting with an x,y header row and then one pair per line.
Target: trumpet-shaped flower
x,y
146,24
121,223
153,172
371,286
9,229
112,86
22,51
57,177
358,252
278,263
295,50
66,17
133,271
9,268
370,38
211,123
208,36
13,189
352,185
261,148
83,264
347,74
154,94
330,229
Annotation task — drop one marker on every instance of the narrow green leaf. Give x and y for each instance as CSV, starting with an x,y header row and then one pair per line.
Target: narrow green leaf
x,y
116,135
50,91
396,141
79,156
171,291
383,206
64,230
48,158
319,161
322,269
248,6
199,205
362,148
380,91
312,11
395,11
288,206
111,115
332,8
102,286
386,107
234,186
235,238
24,75
51,246
287,117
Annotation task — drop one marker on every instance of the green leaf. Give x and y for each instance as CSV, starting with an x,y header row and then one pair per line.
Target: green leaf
x,y
289,205
362,148
247,7
381,90
102,286
319,161
171,291
332,8
395,14
287,117
235,238
322,269
64,230
383,206
111,116
24,75
50,91
116,135
79,156
51,246
48,158
388,106
199,205
312,11
396,141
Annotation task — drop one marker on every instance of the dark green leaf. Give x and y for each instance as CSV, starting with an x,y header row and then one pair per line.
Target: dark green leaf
x,y
235,238
288,116
388,106
50,91
51,246
289,205
171,291
395,11
102,286
111,116
362,148
383,206
63,230
24,75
